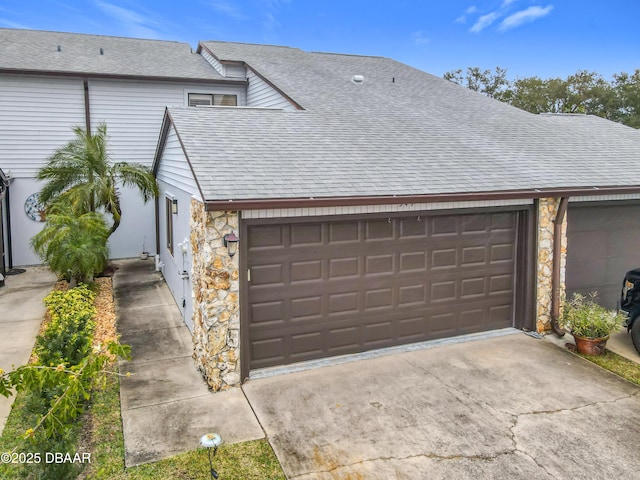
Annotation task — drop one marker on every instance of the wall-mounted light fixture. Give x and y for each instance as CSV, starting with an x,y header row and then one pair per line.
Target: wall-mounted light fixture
x,y
231,242
174,206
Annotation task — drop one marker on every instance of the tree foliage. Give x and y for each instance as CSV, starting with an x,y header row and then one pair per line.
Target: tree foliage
x,y
59,384
81,174
583,92
73,245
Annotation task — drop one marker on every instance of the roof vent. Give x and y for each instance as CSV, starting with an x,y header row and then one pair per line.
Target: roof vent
x,y
59,48
357,79
101,51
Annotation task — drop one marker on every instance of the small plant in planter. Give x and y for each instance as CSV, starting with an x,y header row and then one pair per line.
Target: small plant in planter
x,y
589,323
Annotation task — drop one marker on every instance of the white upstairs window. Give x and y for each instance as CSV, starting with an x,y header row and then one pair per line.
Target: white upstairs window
x,y
208,99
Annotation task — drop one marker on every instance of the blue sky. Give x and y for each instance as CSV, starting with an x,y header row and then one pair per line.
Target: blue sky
x,y
547,38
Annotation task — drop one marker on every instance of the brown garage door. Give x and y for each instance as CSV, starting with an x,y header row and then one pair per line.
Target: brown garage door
x,y
602,245
337,287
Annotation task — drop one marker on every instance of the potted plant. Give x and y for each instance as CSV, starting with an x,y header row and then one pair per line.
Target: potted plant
x,y
589,323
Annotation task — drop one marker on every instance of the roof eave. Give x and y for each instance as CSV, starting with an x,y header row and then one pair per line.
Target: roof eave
x,y
273,203
64,73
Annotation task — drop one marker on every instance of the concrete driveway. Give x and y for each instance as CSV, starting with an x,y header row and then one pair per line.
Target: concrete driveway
x,y
506,407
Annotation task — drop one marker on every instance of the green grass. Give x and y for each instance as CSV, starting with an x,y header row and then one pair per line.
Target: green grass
x,y
102,437
617,364
242,461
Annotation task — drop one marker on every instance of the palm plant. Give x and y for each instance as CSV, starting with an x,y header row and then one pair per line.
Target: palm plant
x,y
74,246
80,174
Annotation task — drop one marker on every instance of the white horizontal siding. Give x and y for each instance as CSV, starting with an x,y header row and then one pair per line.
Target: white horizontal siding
x,y
261,94
174,169
214,62
133,112
36,117
605,198
226,70
235,71
367,209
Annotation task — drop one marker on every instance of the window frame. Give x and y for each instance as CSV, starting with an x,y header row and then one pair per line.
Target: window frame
x,y
169,227
214,99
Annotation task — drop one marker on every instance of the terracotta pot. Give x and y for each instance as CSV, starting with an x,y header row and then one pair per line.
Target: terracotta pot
x,y
590,346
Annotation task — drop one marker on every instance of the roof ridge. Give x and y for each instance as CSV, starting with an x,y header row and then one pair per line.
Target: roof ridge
x,y
250,43
94,35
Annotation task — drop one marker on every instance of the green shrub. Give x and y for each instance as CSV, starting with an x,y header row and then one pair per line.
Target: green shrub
x,y
582,316
67,338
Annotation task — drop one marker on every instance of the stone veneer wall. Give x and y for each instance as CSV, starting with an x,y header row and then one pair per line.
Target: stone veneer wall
x,y
547,209
216,318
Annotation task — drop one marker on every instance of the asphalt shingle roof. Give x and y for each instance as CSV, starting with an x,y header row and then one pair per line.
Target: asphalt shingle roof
x,y
400,132
42,51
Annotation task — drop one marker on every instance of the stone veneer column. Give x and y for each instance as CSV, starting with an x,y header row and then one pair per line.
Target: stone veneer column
x,y
216,318
547,210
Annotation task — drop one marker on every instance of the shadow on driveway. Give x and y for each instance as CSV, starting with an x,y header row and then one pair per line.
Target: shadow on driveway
x,y
506,407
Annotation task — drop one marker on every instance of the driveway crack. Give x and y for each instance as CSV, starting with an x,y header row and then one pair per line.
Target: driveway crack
x,y
433,456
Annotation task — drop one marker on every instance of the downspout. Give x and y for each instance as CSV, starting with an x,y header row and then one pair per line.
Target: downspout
x,y
4,185
87,106
555,277
8,233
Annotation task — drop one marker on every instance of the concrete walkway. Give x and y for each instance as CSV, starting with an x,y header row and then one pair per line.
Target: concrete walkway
x,y
21,313
506,407
166,405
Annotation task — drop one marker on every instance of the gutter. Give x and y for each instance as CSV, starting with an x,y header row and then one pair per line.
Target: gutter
x,y
269,203
555,276
115,76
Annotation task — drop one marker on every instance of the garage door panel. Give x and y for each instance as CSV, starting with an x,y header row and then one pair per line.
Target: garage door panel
x,y
380,264
379,230
475,223
378,299
266,238
411,227
267,275
473,255
503,221
306,307
442,259
412,295
305,234
502,252
443,291
305,270
500,315
344,232
346,287
413,262
268,312
444,226
473,288
344,267
602,246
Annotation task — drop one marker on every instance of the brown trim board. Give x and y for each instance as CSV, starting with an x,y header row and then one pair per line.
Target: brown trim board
x,y
256,204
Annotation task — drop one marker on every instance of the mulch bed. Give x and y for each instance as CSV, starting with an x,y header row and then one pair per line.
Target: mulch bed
x,y
105,319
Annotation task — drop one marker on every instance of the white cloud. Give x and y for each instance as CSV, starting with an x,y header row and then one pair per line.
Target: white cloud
x,y
420,38
228,8
506,3
484,21
524,16
469,11
10,24
135,24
